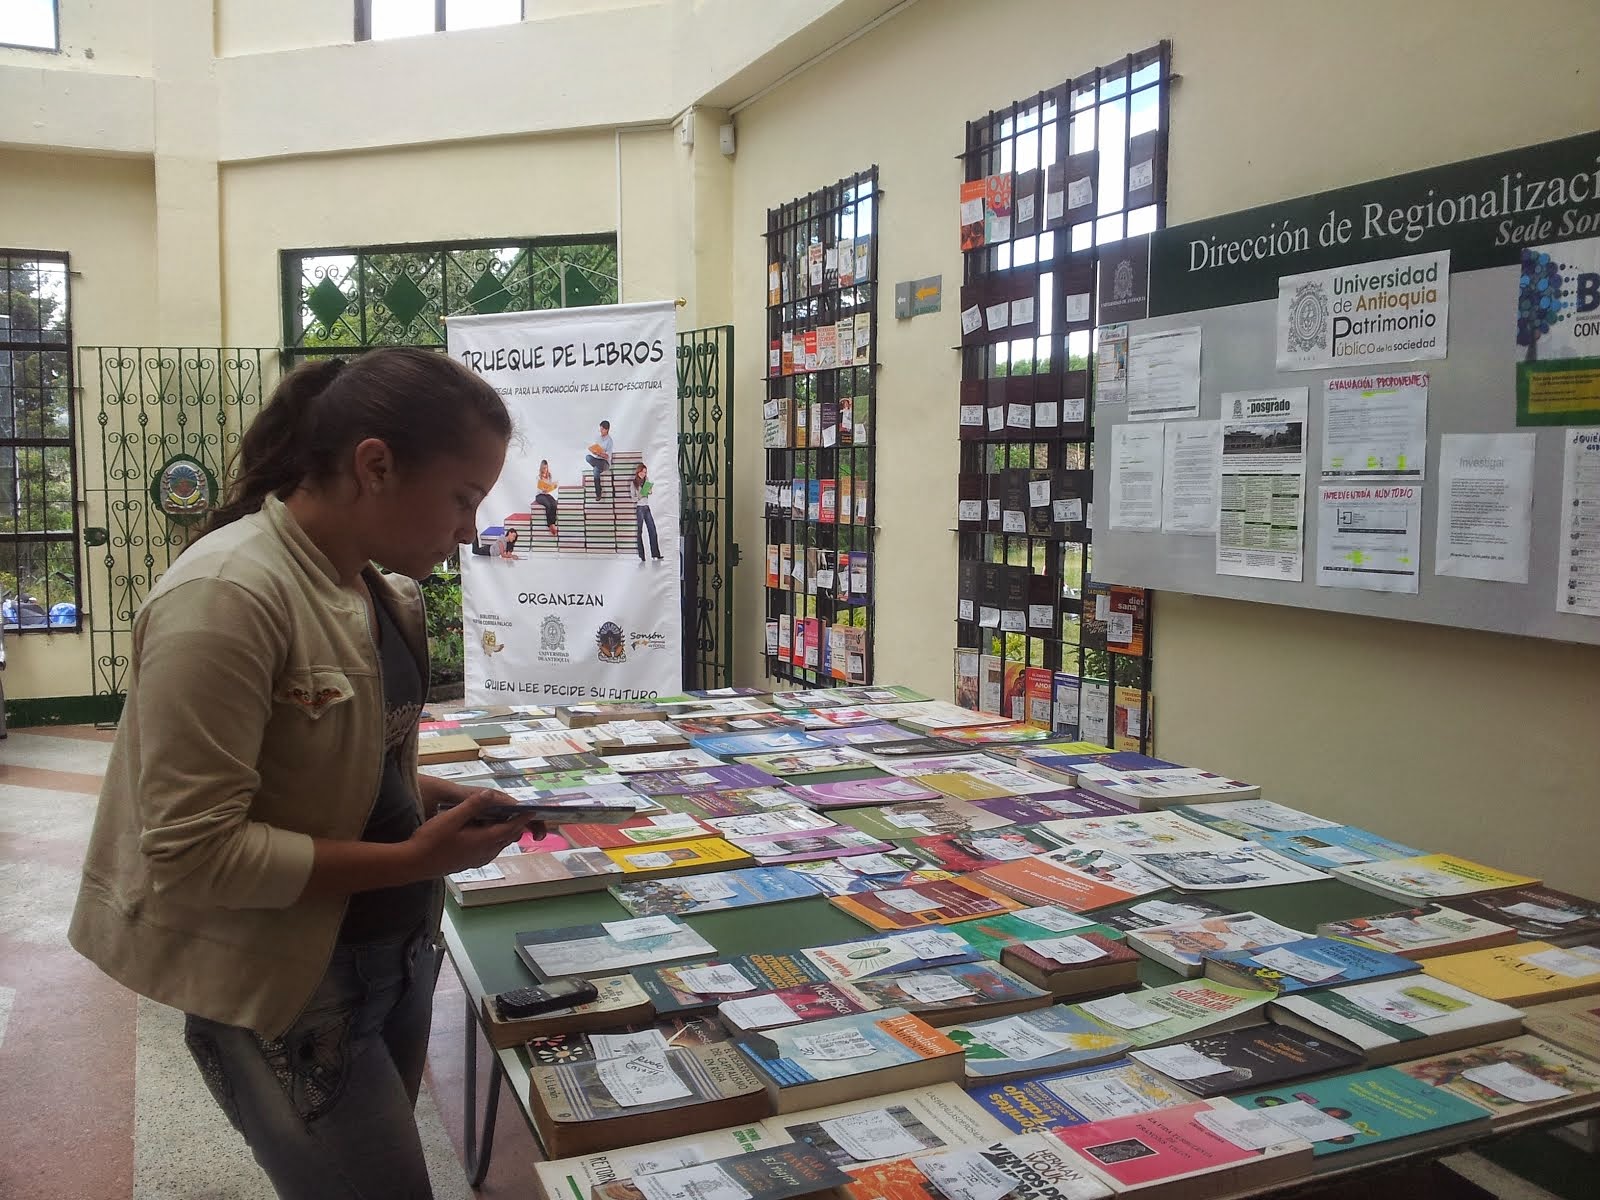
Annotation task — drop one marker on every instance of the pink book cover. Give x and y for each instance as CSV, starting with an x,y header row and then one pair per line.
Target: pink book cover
x,y
855,793
1153,1146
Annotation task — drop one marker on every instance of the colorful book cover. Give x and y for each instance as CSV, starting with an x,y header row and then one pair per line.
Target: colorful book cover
x,y
1007,734
972,220
1526,973
1039,1168
1051,1101
1173,1143
773,1173
663,760
856,793
1184,1010
1042,881
1040,807
1343,845
1538,912
1141,833
1381,1017
824,760
683,989
948,990
660,829
918,818
936,902
890,953
575,1178
590,950
683,857
875,734
742,802
711,893
828,509
794,1005
765,741
1421,932
1045,1039
1262,1055
1132,717
864,873
1037,697
794,1055
914,747
1532,1072
807,846
1184,944
1381,1105
1430,877
1306,964
975,850
991,935
1246,866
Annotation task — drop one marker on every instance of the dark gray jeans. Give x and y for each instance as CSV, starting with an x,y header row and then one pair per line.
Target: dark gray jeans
x,y
328,1109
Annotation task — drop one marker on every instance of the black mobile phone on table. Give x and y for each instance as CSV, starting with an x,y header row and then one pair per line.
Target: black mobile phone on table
x,y
522,1003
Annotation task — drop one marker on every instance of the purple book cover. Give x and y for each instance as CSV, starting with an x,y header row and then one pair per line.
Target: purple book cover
x,y
857,792
729,778
810,845
1066,805
861,735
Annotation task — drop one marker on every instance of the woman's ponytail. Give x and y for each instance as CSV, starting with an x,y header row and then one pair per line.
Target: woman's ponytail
x,y
272,456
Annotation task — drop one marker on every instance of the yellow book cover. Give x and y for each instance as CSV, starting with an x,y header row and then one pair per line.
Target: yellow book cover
x,y
1429,876
1525,973
682,859
961,785
1071,747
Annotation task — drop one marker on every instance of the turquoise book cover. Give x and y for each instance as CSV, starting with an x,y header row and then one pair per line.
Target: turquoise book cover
x,y
1382,1105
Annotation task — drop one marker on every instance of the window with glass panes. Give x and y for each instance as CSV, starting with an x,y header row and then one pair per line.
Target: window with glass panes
x,y
1055,184
38,468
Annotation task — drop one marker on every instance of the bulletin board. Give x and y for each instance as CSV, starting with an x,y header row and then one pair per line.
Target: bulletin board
x,y
1221,276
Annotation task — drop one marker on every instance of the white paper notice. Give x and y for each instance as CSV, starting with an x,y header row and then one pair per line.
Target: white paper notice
x,y
641,1079
1375,426
932,945
971,320
1192,460
907,901
1261,502
833,1047
759,1012
1136,456
1111,364
1303,1120
715,980
1485,520
1578,576
484,874
1056,920
1164,375
1016,1038
1578,963
643,927
1369,536
1180,1062
703,1181
1066,949
965,1175
1094,712
1249,1129
933,989
872,1135
1393,1004
1392,310
1308,970
622,1045
1514,1083
1121,1012
1543,912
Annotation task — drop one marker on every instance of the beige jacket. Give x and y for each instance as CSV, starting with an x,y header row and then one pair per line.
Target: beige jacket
x,y
254,723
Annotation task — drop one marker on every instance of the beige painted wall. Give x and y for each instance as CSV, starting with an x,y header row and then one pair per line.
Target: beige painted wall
x,y
514,187
1475,743
101,211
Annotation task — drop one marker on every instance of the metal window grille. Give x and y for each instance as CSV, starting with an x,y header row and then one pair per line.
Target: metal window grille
x,y
819,432
1059,180
39,561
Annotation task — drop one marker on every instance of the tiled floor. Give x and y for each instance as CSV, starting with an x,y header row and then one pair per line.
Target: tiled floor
x,y
101,1100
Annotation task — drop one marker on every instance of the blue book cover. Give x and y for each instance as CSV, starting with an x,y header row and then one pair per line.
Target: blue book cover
x,y
1306,965
1056,1099
766,741
813,499
1381,1105
1044,1039
1337,846
709,893
840,1047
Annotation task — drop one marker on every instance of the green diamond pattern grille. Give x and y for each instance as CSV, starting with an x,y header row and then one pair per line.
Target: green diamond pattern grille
x,y
327,303
489,294
405,300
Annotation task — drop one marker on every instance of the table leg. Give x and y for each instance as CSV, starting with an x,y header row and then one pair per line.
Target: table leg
x,y
475,1152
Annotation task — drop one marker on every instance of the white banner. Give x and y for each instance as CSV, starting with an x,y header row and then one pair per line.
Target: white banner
x,y
573,591
1393,310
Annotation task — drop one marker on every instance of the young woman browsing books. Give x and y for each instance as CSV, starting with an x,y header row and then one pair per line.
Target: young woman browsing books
x,y
265,856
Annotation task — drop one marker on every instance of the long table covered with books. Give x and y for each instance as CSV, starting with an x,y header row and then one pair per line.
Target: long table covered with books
x,y
860,943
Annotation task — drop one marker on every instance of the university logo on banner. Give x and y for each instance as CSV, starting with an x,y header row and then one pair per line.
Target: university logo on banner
x,y
572,589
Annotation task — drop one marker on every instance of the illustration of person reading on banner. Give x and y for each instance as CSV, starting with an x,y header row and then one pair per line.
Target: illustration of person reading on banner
x,y
508,544
600,455
641,488
546,498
